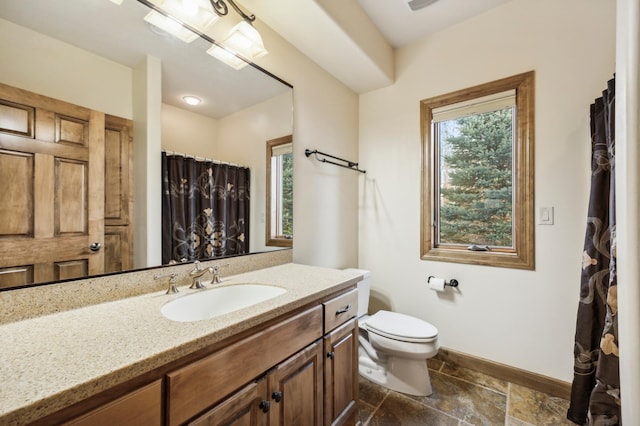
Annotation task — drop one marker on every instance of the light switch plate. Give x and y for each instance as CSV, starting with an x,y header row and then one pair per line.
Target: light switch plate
x,y
545,216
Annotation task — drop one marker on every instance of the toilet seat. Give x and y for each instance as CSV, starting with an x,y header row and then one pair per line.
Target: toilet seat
x,y
394,325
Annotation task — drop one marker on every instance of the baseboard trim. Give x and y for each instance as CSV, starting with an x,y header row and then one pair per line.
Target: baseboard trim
x,y
548,385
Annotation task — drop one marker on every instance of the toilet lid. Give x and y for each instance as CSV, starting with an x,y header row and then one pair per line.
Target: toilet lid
x,y
401,327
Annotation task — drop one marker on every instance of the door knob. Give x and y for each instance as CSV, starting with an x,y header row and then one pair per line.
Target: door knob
x,y
95,246
331,355
277,396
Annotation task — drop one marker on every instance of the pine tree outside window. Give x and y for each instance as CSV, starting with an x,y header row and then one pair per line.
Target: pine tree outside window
x,y
477,175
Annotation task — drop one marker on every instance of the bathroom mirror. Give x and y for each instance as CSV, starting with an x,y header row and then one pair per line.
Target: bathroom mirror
x,y
120,34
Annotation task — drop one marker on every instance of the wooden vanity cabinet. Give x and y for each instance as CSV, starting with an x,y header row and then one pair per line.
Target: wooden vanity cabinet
x,y
300,370
341,359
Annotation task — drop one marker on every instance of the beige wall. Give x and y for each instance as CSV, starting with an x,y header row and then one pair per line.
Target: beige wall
x,y
32,61
325,211
525,319
188,133
147,187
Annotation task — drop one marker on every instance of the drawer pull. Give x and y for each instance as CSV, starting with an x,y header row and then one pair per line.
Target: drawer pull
x,y
264,406
344,309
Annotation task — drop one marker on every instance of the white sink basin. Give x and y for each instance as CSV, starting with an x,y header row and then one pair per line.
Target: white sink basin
x,y
207,304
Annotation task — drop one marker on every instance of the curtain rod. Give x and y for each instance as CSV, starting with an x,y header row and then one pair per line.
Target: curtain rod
x,y
210,160
349,164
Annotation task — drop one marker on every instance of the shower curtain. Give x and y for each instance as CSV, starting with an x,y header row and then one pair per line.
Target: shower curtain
x,y
205,209
595,393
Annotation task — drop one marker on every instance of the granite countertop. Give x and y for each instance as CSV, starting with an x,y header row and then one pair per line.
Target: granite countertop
x,y
53,361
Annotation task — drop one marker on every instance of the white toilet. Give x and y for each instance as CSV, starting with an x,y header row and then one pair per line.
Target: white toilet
x,y
394,347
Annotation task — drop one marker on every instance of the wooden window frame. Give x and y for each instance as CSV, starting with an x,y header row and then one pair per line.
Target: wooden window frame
x,y
271,240
522,256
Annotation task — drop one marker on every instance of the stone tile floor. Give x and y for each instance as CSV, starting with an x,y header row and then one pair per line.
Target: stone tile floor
x,y
461,397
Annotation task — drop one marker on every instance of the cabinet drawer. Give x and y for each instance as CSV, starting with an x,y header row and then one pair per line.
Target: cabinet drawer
x,y
340,309
199,385
140,407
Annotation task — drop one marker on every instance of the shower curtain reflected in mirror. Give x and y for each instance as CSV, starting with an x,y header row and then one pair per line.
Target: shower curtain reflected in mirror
x,y
205,209
595,393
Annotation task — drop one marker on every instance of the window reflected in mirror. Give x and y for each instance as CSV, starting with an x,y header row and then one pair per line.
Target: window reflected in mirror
x,y
279,217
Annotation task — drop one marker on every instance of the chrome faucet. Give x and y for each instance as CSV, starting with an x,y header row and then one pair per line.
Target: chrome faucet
x,y
197,274
173,278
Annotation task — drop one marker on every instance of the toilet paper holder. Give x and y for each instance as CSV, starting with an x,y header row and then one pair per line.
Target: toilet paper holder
x,y
451,283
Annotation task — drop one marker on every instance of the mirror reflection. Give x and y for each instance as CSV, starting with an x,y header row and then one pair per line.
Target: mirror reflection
x,y
86,53
279,229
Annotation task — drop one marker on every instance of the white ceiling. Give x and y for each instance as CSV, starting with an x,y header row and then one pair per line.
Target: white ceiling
x,y
401,26
354,40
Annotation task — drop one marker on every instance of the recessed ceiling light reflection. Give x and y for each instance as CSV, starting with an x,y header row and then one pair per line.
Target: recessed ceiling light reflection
x,y
192,100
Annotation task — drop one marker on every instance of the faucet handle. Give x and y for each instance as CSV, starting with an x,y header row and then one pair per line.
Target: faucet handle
x,y
196,272
173,278
216,273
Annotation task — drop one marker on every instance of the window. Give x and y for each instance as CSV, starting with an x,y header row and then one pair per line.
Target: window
x,y
477,175
279,223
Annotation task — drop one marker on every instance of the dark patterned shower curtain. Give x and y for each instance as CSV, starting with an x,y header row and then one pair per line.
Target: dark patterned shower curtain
x,y
205,209
595,393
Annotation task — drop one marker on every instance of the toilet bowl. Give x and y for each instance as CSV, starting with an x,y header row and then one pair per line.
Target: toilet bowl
x,y
394,347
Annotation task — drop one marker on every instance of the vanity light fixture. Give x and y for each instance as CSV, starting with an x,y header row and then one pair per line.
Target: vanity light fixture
x,y
243,40
220,7
118,2
188,19
193,13
192,100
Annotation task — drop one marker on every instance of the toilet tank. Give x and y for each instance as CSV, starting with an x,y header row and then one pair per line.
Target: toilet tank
x,y
364,288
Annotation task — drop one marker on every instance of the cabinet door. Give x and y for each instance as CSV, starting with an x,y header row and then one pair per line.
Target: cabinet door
x,y
341,373
247,407
295,389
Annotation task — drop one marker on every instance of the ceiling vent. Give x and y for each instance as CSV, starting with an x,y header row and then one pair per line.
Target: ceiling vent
x,y
419,4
